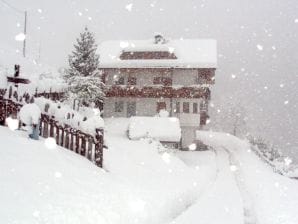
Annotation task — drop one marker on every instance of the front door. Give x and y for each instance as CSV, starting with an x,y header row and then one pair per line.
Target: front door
x,y
131,109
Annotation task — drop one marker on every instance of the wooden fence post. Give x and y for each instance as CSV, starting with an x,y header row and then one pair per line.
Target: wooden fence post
x,y
98,157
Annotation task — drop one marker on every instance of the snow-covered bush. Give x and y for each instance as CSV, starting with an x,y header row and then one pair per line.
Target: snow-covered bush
x,y
271,155
86,119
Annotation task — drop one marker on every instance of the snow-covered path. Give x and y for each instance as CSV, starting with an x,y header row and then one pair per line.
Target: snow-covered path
x,y
245,189
221,197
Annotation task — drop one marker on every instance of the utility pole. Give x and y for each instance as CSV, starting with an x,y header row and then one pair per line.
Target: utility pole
x,y
25,33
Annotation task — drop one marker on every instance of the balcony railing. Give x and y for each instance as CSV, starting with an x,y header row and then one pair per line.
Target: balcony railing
x,y
158,92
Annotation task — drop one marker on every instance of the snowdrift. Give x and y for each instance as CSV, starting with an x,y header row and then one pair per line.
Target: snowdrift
x,y
166,129
43,185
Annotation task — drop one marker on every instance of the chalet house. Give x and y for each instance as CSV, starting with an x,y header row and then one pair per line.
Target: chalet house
x,y
146,76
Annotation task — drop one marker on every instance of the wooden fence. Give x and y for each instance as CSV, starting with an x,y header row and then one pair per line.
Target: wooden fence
x,y
26,96
70,138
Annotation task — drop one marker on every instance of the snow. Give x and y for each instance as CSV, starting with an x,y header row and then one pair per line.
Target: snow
x,y
91,124
41,75
141,182
191,53
86,119
160,128
30,114
20,37
43,185
267,197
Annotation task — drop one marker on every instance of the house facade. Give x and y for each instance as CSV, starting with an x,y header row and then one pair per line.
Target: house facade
x,y
146,76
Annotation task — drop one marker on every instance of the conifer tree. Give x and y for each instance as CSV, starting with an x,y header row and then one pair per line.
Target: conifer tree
x,y
83,76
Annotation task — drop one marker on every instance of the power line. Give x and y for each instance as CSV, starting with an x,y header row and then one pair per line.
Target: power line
x,y
12,7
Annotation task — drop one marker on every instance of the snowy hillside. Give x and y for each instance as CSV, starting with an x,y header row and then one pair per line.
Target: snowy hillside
x,y
141,183
42,185
245,190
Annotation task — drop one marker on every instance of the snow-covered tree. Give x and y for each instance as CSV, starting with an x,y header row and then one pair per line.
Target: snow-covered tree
x,y
83,76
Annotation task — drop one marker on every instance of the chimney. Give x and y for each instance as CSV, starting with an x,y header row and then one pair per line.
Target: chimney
x,y
159,39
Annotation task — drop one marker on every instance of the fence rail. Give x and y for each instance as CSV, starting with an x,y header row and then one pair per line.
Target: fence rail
x,y
70,138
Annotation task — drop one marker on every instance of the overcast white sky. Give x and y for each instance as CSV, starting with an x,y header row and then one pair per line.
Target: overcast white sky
x,y
263,80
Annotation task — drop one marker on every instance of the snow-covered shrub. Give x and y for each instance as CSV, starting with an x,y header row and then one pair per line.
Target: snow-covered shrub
x,y
271,155
86,119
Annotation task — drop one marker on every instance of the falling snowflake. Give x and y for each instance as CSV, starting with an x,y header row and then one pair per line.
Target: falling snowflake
x,y
166,157
171,49
129,7
192,147
296,20
36,213
80,14
124,44
286,102
233,168
260,47
288,161
50,143
12,124
233,76
39,10
58,174
20,37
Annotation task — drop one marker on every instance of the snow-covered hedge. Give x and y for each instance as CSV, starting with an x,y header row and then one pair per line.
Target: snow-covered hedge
x,y
86,119
165,129
271,155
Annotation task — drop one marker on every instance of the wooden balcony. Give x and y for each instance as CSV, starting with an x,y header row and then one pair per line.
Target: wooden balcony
x,y
158,92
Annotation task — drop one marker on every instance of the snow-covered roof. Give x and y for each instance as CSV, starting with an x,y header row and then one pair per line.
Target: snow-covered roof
x,y
165,129
190,53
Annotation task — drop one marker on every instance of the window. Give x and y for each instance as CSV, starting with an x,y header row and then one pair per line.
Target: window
x,y
203,106
166,81
132,81
195,108
177,107
119,106
119,80
185,107
161,106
